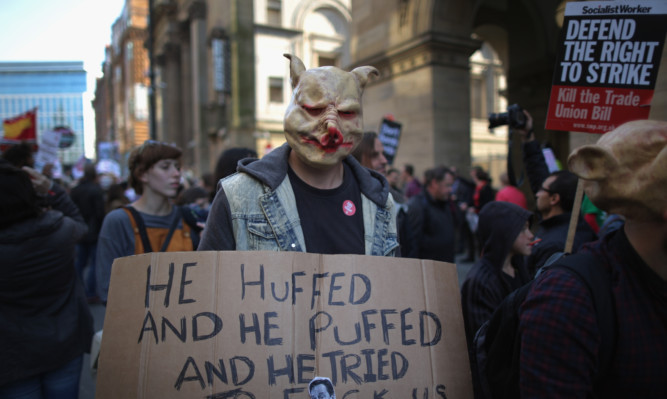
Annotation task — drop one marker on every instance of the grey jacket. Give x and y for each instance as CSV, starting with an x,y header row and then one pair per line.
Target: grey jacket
x,y
255,209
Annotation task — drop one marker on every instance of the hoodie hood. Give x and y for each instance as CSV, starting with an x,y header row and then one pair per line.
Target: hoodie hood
x,y
499,224
33,227
272,169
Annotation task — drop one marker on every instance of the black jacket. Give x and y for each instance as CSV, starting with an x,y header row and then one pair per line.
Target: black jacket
x,y
486,285
89,198
431,228
44,317
551,236
535,165
552,233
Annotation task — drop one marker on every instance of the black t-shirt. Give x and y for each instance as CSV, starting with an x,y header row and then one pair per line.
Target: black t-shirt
x,y
332,220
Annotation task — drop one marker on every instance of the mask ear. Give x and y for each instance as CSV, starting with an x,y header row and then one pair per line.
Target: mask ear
x,y
296,68
591,162
362,74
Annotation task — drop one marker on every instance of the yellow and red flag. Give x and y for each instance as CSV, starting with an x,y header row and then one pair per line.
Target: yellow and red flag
x,y
22,127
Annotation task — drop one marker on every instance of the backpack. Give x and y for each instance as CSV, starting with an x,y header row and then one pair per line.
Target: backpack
x,y
496,348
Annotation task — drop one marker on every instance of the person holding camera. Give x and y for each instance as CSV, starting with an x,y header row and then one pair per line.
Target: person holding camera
x,y
554,198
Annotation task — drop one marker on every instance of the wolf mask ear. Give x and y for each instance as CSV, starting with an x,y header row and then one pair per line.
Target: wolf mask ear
x,y
296,68
591,162
362,74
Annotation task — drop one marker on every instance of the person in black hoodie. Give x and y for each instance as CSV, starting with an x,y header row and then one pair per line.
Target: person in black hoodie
x,y
505,236
45,323
89,198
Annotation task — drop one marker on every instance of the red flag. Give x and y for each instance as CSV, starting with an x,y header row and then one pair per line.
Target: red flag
x,y
22,127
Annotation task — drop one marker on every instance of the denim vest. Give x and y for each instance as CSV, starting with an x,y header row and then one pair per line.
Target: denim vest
x,y
272,222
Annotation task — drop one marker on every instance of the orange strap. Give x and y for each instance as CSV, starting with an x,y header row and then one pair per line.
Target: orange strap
x,y
180,240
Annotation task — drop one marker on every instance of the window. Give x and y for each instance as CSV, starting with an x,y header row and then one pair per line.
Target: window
x,y
404,9
275,90
477,97
327,61
274,12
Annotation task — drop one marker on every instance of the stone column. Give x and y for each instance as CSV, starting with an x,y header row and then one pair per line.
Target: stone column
x,y
426,87
171,94
451,102
422,51
199,70
241,110
187,101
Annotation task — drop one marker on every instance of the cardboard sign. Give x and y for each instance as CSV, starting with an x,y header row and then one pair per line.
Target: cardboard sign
x,y
263,324
607,64
390,134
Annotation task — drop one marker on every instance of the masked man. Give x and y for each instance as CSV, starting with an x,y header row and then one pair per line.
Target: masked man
x,y
562,338
310,194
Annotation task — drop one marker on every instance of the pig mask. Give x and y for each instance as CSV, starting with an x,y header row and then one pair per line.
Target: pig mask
x,y
323,122
626,171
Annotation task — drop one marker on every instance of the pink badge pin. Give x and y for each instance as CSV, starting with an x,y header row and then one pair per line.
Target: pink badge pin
x,y
348,208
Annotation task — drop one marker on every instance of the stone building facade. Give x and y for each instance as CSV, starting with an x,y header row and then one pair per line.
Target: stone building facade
x,y
221,81
221,78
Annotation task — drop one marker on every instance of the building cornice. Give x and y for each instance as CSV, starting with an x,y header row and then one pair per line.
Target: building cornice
x,y
42,66
164,9
276,30
429,49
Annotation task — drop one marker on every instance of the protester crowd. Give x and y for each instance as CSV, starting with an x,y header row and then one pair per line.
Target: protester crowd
x,y
60,243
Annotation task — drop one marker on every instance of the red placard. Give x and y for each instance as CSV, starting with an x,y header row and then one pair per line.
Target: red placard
x,y
596,109
607,64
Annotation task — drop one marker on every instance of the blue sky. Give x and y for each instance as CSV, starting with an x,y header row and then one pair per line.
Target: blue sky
x,y
60,30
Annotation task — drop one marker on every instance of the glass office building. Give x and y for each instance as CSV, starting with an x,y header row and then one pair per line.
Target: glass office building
x,y
55,89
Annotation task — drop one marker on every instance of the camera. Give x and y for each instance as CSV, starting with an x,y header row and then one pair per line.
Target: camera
x,y
514,117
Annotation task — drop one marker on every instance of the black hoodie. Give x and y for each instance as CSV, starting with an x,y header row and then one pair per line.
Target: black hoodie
x,y
270,171
486,285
